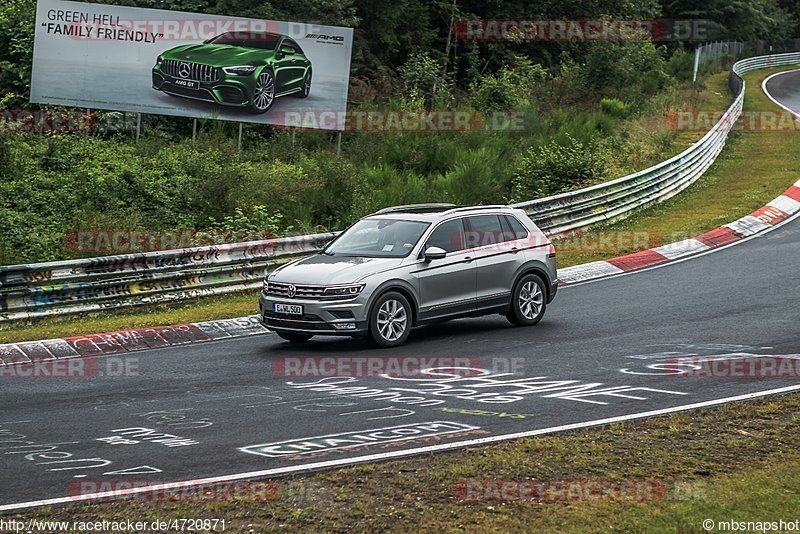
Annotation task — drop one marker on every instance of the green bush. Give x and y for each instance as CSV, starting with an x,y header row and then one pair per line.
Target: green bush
x,y
511,88
680,65
614,108
424,85
554,168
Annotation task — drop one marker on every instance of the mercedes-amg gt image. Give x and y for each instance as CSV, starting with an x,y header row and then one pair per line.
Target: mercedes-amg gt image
x,y
246,70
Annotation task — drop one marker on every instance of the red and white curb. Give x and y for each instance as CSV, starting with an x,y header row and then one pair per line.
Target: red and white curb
x,y
761,220
128,340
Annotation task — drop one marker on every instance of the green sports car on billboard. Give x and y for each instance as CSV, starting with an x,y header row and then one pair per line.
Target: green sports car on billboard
x,y
235,69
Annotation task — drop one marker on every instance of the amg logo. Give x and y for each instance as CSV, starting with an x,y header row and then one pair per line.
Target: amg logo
x,y
339,38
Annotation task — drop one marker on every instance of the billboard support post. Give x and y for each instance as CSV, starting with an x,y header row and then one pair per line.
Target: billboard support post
x,y
294,136
339,144
138,126
241,126
194,130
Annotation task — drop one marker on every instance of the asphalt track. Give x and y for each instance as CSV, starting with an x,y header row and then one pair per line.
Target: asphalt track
x,y
606,349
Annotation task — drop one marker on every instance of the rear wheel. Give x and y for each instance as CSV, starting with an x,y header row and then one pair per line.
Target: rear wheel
x,y
528,301
294,337
305,89
390,320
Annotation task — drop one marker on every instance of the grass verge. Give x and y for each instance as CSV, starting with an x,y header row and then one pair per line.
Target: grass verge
x,y
736,462
754,168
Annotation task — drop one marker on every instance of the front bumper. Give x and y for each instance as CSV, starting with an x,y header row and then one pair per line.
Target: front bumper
x,y
227,90
327,317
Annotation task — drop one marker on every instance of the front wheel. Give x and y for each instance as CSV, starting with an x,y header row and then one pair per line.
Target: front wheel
x,y
294,337
390,320
528,302
264,93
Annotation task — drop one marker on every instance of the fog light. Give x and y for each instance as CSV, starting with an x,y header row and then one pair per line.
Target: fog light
x,y
344,326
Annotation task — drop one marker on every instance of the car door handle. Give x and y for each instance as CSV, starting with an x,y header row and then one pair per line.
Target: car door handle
x,y
467,259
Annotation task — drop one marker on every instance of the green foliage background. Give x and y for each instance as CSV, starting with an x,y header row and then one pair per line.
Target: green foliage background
x,y
577,103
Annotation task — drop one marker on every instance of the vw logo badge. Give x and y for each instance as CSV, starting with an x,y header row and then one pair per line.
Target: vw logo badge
x,y
291,292
184,70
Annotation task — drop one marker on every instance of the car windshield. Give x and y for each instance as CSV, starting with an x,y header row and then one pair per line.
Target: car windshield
x,y
265,41
378,238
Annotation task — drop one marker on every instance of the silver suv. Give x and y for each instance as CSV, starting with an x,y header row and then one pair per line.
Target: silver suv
x,y
412,265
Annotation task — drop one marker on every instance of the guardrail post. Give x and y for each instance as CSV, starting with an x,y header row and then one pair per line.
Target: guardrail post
x,y
696,63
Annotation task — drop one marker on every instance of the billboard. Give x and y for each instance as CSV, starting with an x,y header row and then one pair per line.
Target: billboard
x,y
190,65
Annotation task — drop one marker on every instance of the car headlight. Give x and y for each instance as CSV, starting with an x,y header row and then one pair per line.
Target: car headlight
x,y
159,59
342,292
240,70
265,289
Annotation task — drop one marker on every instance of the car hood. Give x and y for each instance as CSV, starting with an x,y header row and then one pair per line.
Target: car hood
x,y
332,270
218,55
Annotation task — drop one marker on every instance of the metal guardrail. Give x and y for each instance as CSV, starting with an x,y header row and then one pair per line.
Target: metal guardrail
x,y
609,201
111,282
74,286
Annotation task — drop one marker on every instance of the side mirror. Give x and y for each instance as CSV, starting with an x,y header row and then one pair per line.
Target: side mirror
x,y
434,253
286,51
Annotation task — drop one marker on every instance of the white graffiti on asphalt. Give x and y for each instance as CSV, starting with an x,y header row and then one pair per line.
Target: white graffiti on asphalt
x,y
478,385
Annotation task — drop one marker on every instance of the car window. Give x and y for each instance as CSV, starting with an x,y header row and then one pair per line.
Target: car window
x,y
378,238
484,230
448,236
293,45
516,227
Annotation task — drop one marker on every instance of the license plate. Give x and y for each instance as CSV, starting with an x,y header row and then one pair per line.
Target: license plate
x,y
187,84
291,309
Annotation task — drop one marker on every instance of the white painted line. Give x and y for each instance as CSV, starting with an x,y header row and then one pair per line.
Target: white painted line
x,y
764,88
389,455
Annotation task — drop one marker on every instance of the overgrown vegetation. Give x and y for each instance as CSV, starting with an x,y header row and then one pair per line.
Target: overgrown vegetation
x,y
556,116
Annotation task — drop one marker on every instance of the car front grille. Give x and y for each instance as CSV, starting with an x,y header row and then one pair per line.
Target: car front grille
x,y
195,71
295,322
300,292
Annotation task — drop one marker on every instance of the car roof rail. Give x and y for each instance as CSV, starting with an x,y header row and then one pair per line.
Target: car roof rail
x,y
417,208
459,209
